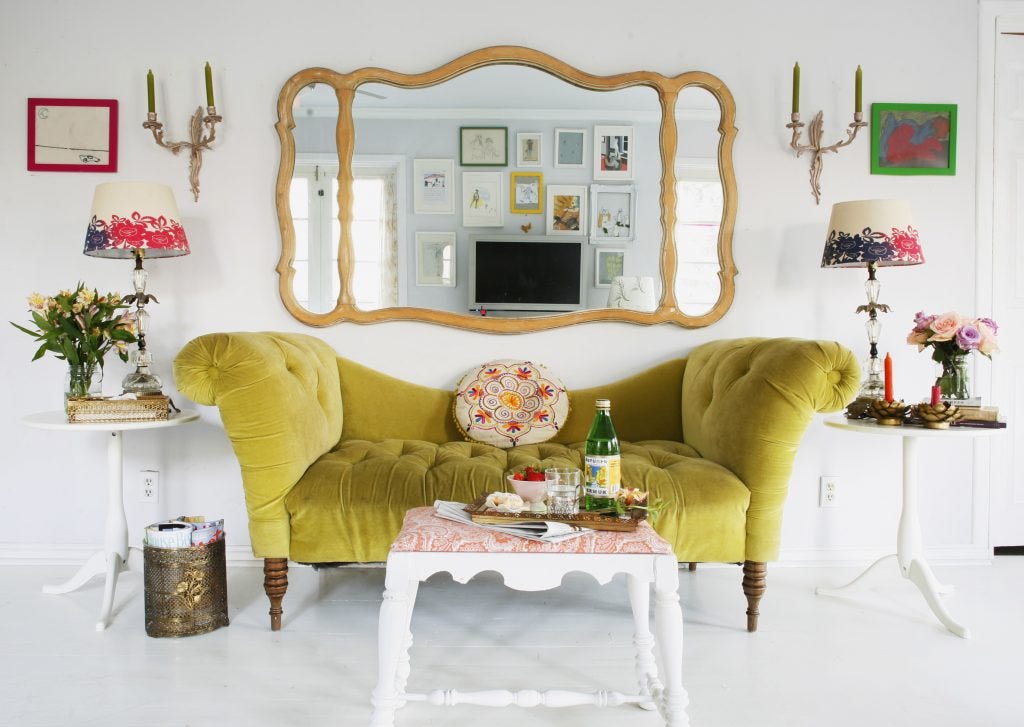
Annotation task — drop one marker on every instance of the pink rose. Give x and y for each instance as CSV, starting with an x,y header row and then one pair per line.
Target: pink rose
x,y
988,344
945,326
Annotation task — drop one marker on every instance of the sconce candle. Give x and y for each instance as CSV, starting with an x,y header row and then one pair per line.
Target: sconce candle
x,y
796,88
150,93
858,90
209,85
888,378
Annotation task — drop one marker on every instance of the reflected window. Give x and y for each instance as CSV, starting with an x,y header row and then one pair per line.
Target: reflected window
x,y
314,208
700,202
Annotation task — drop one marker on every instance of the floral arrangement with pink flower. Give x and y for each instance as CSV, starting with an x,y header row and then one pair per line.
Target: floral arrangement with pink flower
x,y
950,334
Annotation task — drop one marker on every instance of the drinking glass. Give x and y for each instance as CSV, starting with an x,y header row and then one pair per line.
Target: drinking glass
x,y
563,490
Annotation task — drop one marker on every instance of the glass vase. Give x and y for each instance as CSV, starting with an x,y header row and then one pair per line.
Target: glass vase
x,y
83,379
953,379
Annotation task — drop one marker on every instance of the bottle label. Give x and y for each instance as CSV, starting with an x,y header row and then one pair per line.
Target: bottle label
x,y
602,474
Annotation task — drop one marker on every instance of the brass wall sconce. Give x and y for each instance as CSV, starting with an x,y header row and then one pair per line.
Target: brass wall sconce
x,y
198,141
816,131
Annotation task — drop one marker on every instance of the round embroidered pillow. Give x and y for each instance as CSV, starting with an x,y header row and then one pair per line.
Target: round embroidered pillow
x,y
509,402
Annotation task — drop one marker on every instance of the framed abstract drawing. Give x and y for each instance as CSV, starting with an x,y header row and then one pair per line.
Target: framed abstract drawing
x,y
612,213
435,258
529,149
483,146
527,193
481,199
72,135
609,263
566,209
435,186
913,138
613,148
570,146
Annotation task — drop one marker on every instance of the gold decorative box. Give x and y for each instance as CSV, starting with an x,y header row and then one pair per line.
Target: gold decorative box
x,y
186,589
88,410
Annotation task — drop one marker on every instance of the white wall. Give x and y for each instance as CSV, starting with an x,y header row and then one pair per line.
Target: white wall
x,y
53,491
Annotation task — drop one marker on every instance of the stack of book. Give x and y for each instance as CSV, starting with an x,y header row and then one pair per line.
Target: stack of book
x,y
976,415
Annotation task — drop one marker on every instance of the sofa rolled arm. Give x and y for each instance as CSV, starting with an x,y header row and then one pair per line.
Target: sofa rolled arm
x,y
746,405
280,401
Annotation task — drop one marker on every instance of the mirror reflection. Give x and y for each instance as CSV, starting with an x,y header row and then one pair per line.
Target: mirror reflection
x,y
516,187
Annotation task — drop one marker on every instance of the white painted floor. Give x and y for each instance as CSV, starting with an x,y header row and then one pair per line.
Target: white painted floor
x,y
879,659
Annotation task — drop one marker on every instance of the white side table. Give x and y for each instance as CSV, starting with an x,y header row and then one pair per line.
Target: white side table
x,y
909,550
115,556
428,545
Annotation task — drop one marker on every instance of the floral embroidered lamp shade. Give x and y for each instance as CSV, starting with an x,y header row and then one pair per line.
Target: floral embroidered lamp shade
x,y
872,233
136,220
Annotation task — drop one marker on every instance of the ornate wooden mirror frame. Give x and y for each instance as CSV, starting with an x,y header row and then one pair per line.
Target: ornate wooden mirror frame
x,y
667,89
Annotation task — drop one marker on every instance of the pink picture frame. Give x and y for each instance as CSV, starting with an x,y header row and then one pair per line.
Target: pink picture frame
x,y
72,135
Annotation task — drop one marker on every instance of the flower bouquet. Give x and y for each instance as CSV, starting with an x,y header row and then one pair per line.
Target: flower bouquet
x,y
952,337
80,326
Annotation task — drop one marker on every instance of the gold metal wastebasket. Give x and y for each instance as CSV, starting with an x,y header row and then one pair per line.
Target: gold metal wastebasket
x,y
186,589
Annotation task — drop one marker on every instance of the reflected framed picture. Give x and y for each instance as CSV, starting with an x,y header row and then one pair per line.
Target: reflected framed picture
x,y
613,152
570,147
72,135
481,199
434,186
529,149
609,263
483,146
527,193
911,138
566,209
612,213
435,258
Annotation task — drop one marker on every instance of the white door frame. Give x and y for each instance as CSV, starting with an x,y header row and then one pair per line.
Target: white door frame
x,y
989,11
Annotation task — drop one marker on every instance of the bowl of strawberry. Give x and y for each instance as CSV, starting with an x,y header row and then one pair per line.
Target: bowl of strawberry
x,y
530,484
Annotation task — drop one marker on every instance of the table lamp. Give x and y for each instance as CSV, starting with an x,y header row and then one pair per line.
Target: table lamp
x,y
136,220
872,233
632,292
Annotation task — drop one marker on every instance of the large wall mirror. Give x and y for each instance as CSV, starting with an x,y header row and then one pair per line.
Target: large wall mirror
x,y
506,191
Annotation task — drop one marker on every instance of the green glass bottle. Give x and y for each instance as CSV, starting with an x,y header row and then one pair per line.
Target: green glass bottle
x,y
602,460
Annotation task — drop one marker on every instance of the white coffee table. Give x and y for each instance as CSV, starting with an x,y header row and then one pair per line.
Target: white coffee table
x,y
115,556
427,545
909,553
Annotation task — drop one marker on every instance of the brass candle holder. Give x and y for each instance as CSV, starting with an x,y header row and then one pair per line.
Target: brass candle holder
x,y
815,133
939,416
197,143
888,413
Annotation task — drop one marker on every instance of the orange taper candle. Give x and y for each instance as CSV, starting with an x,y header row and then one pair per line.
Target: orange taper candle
x,y
888,377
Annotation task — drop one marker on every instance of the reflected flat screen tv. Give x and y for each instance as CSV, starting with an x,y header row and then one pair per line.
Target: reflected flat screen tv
x,y
508,272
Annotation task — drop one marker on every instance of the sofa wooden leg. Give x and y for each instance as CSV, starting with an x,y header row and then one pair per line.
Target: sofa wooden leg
x,y
753,589
693,566
275,583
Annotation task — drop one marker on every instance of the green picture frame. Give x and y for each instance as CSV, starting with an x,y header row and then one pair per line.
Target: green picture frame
x,y
913,138
483,146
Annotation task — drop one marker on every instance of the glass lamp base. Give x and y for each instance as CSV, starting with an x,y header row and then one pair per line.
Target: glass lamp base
x,y
872,388
141,382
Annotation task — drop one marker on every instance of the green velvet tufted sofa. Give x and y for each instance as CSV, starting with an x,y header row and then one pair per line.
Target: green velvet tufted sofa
x,y
333,453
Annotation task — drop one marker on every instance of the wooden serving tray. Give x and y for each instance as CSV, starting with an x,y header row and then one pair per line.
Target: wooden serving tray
x,y
595,521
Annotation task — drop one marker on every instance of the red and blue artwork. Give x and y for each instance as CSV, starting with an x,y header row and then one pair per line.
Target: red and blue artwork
x,y
914,139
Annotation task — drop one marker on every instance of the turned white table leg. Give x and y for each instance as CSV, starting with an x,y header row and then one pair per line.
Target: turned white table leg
x,y
394,615
668,625
643,639
116,542
403,667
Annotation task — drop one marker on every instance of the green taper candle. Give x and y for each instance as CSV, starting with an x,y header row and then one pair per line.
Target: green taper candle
x,y
209,85
796,88
858,90
150,93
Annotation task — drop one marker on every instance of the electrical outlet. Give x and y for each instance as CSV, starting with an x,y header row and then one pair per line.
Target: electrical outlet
x,y
828,491
149,486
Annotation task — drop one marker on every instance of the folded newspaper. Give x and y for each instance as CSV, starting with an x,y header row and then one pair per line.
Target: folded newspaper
x,y
542,531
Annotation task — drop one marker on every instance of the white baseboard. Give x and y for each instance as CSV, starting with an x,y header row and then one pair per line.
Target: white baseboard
x,y
241,555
